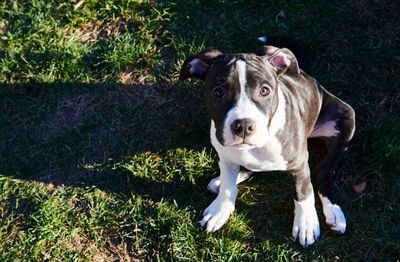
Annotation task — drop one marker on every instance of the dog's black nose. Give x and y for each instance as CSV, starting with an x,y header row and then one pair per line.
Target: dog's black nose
x,y
243,127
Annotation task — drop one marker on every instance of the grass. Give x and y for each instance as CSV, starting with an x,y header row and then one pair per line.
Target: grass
x,y
105,156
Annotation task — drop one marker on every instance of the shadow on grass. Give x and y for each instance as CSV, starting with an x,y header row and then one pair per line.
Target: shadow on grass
x,y
78,134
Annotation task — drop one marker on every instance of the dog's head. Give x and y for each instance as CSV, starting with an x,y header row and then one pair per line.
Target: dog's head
x,y
241,91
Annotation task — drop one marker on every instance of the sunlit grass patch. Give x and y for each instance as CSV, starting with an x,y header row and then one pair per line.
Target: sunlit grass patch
x,y
175,165
93,42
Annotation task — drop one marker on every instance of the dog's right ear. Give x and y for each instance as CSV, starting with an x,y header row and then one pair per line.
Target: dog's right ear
x,y
197,66
281,59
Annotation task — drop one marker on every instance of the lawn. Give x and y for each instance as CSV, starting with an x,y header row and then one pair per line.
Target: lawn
x,y
105,155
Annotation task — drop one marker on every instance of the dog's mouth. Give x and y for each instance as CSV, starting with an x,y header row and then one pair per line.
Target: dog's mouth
x,y
243,145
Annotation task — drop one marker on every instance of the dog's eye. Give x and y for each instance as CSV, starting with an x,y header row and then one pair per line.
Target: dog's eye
x,y
264,90
218,92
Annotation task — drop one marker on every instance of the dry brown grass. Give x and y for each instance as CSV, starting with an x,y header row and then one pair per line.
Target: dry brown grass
x,y
96,30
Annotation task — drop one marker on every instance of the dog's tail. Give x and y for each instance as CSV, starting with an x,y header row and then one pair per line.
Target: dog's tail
x,y
293,45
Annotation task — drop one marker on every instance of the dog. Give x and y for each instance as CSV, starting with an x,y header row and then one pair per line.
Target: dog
x,y
263,108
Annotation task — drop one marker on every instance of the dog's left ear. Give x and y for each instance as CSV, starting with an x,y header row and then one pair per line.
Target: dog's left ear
x,y
283,59
197,66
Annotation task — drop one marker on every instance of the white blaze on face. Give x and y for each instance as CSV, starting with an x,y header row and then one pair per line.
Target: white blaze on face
x,y
245,108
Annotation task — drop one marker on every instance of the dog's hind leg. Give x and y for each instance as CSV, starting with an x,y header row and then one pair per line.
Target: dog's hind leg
x,y
335,126
214,184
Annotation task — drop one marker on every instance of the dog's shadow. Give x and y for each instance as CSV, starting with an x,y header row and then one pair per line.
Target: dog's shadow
x,y
81,134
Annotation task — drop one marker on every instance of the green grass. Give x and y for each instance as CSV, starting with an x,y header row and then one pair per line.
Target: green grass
x,y
105,156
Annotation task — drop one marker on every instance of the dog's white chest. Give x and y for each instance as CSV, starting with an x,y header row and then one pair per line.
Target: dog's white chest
x,y
267,158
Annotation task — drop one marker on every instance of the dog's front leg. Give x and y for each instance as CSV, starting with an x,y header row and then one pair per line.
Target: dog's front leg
x,y
218,212
305,225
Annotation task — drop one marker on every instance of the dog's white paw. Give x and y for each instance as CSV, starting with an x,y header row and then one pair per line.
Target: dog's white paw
x,y
334,216
305,225
216,214
214,184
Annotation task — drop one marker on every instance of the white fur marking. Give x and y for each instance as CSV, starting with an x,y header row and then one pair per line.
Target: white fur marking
x,y
241,66
215,183
305,224
216,214
263,39
334,216
279,119
327,129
